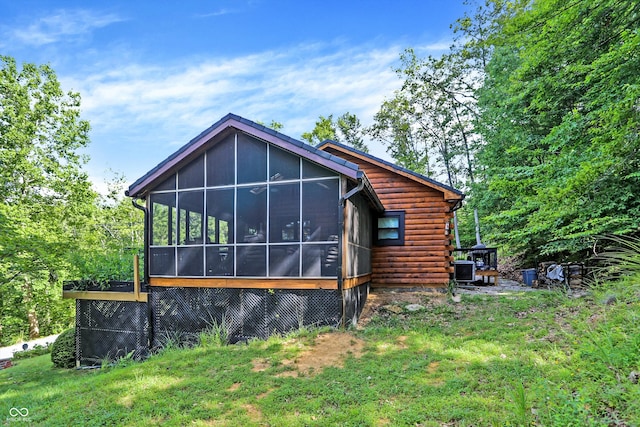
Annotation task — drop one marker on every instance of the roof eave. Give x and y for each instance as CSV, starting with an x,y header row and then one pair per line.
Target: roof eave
x,y
371,193
140,188
450,194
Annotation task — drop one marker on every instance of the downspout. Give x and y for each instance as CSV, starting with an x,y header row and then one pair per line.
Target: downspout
x,y
146,239
353,191
150,335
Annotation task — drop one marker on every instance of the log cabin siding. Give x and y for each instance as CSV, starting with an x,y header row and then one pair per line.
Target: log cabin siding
x,y
425,258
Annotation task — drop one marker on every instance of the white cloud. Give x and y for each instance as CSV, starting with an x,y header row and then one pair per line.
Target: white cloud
x,y
217,13
61,25
140,113
348,79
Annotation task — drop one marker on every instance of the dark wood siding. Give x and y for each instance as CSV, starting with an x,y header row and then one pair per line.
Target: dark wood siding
x,y
425,259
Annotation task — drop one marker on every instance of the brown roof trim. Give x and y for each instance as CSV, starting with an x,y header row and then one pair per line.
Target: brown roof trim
x,y
450,194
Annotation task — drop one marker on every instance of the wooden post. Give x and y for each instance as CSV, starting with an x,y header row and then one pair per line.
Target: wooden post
x,y
136,276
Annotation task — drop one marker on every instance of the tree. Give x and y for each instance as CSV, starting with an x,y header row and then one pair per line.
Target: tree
x,y
44,195
346,129
273,125
113,235
394,127
324,129
428,125
560,119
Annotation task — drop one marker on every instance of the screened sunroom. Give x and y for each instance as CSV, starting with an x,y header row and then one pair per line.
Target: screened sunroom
x,y
241,201
245,208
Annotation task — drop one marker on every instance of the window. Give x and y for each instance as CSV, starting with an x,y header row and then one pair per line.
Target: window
x,y
390,229
246,208
163,214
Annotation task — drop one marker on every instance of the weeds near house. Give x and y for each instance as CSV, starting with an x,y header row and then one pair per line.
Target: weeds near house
x,y
175,340
621,256
216,335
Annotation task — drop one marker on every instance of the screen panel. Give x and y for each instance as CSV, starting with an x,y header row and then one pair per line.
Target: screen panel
x,y
221,161
284,213
283,165
192,175
252,160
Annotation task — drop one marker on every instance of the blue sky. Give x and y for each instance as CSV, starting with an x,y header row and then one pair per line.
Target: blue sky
x,y
154,74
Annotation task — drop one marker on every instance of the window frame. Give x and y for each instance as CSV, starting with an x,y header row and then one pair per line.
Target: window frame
x,y
399,241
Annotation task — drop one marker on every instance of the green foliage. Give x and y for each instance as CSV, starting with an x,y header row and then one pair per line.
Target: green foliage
x,y
37,350
619,256
427,126
560,120
63,350
216,335
346,129
115,233
273,125
53,226
520,405
44,197
394,127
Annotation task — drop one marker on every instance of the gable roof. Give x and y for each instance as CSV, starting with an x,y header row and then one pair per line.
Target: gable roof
x,y
450,193
141,186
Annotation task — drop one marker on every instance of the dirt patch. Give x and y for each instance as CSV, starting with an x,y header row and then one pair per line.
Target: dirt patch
x,y
328,350
253,412
260,365
234,387
402,341
390,300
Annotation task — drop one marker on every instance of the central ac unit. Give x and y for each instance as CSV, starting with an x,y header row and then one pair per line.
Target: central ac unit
x,y
464,271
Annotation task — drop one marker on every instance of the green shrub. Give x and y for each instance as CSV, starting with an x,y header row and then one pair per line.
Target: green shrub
x,y
38,350
63,351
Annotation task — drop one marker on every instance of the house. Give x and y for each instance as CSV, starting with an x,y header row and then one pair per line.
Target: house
x,y
412,237
249,228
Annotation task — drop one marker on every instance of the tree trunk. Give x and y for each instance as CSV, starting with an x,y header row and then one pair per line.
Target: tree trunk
x,y
475,216
32,315
34,326
455,229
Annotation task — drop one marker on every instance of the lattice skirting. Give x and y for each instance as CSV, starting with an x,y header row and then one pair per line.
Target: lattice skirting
x,y
113,329
110,330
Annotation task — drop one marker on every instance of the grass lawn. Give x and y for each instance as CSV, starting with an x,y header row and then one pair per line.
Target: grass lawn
x,y
535,358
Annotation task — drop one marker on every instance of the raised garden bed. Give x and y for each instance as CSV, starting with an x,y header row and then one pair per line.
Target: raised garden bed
x,y
109,286
110,290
